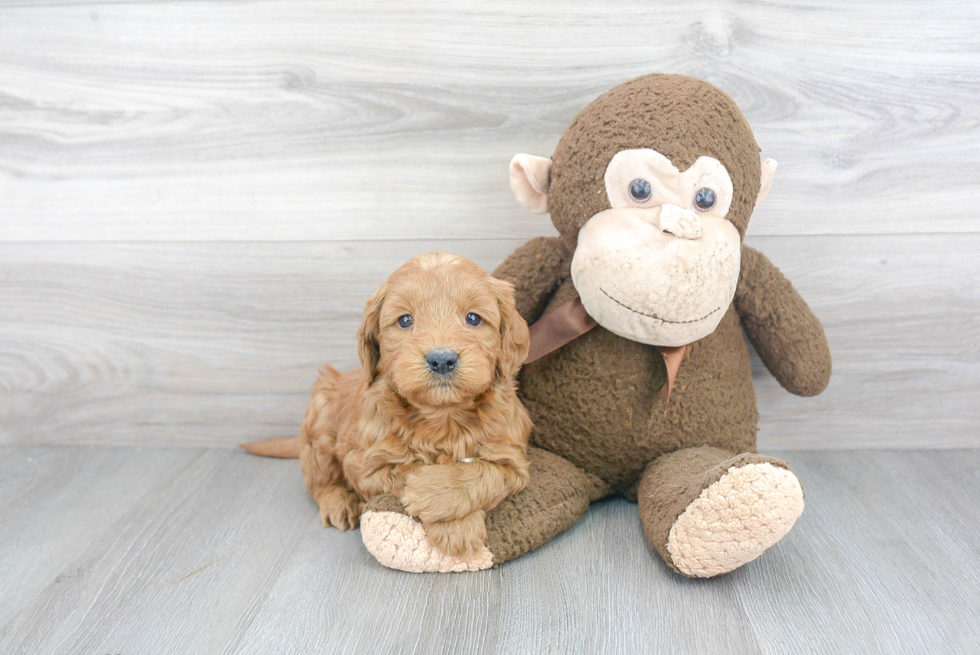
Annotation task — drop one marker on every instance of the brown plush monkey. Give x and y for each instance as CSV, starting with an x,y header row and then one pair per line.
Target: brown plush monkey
x,y
651,188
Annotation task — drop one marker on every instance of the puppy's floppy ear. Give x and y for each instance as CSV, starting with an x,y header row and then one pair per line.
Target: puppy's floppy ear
x,y
515,338
368,345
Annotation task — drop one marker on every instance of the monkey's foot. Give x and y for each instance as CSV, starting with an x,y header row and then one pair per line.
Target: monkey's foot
x,y
735,519
398,541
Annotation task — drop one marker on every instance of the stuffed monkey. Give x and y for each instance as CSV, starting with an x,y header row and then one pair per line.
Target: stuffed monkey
x,y
651,189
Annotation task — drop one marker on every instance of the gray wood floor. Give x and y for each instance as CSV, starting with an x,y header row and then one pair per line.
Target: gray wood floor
x,y
142,550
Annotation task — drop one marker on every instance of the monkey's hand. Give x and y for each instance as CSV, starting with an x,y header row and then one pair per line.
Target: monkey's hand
x,y
536,269
783,329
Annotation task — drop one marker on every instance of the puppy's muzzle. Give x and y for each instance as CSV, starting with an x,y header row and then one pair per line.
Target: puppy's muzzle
x,y
442,361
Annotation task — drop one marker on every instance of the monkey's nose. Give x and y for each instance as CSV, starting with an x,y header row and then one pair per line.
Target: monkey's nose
x,y
682,223
442,360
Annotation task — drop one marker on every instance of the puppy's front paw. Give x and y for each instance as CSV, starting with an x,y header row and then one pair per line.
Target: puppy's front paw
x,y
339,507
434,494
463,538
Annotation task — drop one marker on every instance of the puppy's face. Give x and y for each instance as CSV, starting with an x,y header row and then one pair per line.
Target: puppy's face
x,y
441,331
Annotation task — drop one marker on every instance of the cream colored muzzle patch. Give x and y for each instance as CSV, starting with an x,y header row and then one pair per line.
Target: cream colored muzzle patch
x,y
398,542
735,520
649,285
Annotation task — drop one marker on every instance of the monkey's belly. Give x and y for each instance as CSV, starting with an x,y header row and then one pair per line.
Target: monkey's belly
x,y
598,403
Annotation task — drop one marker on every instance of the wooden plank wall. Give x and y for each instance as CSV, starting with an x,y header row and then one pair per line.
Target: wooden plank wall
x,y
197,197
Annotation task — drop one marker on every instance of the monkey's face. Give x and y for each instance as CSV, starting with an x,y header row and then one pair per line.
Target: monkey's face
x,y
652,188
660,266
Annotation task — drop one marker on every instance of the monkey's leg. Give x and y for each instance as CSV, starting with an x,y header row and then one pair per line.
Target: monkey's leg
x,y
557,496
708,511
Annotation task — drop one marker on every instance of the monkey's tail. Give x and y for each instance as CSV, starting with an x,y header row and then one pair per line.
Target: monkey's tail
x,y
286,447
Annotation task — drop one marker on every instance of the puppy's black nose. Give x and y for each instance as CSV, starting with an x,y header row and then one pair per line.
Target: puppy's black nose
x,y
441,360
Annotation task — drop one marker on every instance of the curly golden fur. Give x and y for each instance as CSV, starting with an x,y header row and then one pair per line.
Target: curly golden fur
x,y
450,445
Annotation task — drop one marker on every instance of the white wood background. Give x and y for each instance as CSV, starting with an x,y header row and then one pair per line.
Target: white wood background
x,y
197,197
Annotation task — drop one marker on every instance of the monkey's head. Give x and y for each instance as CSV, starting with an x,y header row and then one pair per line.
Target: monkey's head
x,y
652,187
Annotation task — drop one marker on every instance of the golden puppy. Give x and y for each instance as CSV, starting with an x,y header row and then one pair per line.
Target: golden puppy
x,y
433,415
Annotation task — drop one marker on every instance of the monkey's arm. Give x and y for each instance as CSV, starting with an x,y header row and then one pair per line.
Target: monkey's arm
x,y
535,269
786,334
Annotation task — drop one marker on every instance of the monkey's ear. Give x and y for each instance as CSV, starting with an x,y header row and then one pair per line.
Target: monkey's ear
x,y
530,179
768,172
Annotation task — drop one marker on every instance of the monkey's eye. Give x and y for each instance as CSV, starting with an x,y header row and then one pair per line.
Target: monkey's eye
x,y
406,321
473,319
704,199
640,190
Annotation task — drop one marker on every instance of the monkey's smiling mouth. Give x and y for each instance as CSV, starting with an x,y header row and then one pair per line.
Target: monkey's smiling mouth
x,y
654,316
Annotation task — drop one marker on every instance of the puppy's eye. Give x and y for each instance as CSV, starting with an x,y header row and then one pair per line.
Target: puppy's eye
x,y
640,190
704,199
473,319
405,321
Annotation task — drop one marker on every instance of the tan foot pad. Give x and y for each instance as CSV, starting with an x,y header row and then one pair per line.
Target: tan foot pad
x,y
398,542
735,519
